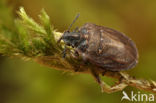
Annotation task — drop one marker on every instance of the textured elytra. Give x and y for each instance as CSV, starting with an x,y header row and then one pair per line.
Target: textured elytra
x,y
104,47
108,48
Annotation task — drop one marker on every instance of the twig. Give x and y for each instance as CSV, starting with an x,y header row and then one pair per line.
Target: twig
x,y
127,80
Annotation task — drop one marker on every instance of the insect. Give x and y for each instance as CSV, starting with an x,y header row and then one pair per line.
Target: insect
x,y
104,47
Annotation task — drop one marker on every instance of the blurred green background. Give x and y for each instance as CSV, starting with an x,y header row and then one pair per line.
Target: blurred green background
x,y
29,82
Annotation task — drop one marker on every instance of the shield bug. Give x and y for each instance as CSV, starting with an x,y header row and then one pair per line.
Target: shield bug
x,y
104,47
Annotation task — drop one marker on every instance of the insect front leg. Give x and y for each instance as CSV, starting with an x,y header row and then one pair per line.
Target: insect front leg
x,y
64,51
76,53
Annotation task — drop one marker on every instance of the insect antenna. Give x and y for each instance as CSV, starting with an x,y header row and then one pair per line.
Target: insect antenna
x,y
73,22
77,16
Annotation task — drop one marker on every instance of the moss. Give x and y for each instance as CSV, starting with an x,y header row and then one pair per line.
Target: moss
x,y
29,40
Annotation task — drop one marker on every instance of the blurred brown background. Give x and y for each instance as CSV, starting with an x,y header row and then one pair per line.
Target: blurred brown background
x,y
29,82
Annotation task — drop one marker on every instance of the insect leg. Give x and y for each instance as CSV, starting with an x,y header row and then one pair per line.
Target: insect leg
x,y
97,78
64,51
105,87
76,53
110,89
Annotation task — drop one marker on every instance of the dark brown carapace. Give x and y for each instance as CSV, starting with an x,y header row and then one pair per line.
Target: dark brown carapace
x,y
108,48
104,47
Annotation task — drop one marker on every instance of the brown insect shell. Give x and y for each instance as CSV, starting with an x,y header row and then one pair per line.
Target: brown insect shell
x,y
108,48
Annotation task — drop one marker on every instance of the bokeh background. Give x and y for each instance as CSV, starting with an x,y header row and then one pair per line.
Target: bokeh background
x,y
29,82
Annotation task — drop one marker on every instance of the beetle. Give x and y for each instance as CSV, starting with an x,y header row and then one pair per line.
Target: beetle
x,y
104,47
